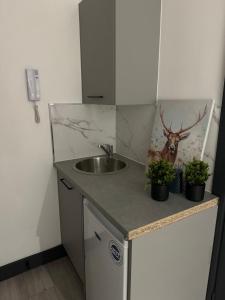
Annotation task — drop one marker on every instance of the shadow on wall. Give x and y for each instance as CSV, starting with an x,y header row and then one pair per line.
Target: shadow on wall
x,y
49,221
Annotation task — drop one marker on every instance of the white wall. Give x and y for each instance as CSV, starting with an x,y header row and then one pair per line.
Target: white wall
x,y
192,56
192,50
43,34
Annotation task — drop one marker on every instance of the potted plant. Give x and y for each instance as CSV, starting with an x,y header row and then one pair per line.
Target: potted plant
x,y
161,173
196,174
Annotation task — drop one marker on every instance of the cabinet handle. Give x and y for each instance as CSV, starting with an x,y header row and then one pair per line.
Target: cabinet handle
x,y
66,184
95,97
98,236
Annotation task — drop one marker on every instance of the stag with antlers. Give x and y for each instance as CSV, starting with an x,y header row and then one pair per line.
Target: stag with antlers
x,y
169,151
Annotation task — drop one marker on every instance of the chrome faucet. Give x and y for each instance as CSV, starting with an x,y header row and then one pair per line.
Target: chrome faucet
x,y
108,149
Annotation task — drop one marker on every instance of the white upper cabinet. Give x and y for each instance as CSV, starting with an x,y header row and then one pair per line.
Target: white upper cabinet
x,y
119,50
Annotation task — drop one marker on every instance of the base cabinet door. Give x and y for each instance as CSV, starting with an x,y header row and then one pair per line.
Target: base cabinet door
x,y
71,219
172,263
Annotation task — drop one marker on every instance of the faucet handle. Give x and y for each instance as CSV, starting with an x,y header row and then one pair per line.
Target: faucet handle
x,y
110,147
107,148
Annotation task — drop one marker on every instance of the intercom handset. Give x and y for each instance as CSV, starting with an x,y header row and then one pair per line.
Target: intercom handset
x,y
33,90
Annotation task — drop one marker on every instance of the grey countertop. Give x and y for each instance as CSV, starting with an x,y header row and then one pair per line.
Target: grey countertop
x,y
122,198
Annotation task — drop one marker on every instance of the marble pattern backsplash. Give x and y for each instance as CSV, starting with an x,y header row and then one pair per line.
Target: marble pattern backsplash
x,y
133,130
78,129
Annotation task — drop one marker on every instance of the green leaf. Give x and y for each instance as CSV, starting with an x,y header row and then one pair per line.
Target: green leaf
x,y
161,172
196,172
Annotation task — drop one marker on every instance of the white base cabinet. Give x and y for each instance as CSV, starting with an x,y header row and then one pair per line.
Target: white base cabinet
x,y
173,263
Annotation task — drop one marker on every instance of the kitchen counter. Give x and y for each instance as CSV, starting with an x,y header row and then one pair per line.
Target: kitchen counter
x,y
123,200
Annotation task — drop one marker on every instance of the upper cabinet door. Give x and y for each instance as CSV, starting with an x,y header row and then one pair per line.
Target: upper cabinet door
x,y
120,51
97,36
137,51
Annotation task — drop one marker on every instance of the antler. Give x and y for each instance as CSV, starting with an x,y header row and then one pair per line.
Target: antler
x,y
200,117
162,120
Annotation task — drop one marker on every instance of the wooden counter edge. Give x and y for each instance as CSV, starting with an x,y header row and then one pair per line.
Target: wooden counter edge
x,y
171,219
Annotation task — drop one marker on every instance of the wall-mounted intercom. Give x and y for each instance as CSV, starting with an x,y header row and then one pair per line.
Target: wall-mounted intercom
x,y
33,90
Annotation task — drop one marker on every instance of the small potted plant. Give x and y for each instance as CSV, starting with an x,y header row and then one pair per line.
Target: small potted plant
x,y
196,175
161,173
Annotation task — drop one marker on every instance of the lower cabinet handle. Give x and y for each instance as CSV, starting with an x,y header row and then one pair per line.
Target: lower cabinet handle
x,y
98,236
66,184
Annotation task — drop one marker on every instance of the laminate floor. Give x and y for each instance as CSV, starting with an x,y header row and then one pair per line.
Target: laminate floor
x,y
54,281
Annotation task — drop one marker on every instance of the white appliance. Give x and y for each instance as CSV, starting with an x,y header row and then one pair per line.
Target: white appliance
x,y
106,257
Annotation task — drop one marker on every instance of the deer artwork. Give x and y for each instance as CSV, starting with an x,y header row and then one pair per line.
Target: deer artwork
x,y
169,152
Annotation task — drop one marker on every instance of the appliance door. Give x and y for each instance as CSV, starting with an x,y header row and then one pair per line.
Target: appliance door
x,y
105,260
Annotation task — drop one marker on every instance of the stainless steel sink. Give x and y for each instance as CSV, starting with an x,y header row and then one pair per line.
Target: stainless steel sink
x,y
100,165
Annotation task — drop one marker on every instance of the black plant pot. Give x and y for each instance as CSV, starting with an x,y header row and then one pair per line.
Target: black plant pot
x,y
195,192
176,185
160,192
